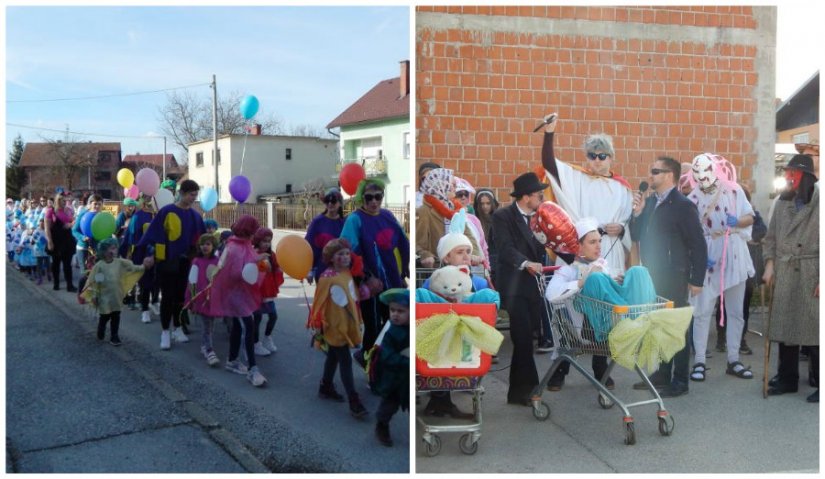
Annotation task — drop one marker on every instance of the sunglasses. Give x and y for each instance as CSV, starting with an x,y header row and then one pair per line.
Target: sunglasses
x,y
600,156
377,197
462,194
656,171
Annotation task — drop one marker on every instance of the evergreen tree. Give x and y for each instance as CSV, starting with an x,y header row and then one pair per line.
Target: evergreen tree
x,y
15,176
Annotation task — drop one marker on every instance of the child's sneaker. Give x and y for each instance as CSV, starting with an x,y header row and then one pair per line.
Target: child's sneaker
x,y
356,408
165,340
327,391
146,317
255,377
211,357
115,341
236,367
268,344
155,309
179,336
260,350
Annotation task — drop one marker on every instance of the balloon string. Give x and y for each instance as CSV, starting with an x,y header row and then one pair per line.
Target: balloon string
x,y
722,279
243,153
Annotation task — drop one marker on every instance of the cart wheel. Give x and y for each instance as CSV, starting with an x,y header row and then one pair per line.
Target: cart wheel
x,y
542,411
665,427
432,448
605,402
629,433
466,444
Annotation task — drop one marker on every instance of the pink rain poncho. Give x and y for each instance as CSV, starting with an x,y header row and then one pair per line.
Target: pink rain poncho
x,y
236,288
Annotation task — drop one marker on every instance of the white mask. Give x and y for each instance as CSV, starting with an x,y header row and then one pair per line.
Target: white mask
x,y
703,171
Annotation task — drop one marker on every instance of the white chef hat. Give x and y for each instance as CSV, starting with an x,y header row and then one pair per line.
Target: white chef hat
x,y
586,225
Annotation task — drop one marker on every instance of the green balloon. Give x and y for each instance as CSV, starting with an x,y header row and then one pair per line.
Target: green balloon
x,y
103,226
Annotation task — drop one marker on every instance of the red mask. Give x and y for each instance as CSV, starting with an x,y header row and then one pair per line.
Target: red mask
x,y
793,177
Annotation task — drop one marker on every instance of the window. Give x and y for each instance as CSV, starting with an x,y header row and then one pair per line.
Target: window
x,y
103,176
199,158
801,138
289,188
219,156
289,153
406,146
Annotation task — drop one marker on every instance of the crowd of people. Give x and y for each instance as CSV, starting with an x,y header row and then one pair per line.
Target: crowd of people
x,y
693,238
175,265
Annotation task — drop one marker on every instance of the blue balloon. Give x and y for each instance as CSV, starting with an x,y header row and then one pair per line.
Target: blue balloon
x,y
209,199
86,223
249,106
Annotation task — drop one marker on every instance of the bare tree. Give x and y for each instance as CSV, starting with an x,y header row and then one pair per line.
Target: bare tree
x,y
309,130
313,188
71,157
187,117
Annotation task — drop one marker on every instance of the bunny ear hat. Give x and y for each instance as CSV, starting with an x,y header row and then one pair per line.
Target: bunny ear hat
x,y
455,235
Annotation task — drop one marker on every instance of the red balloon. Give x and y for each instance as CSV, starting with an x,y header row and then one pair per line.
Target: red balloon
x,y
553,228
351,175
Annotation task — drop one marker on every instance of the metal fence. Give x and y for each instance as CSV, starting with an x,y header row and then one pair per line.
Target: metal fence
x,y
284,216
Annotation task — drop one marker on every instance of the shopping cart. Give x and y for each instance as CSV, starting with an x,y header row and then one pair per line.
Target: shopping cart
x,y
466,376
576,335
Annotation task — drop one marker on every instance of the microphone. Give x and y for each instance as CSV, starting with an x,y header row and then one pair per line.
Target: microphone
x,y
643,186
547,120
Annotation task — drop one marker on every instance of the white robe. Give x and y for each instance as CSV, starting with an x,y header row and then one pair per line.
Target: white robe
x,y
582,195
738,263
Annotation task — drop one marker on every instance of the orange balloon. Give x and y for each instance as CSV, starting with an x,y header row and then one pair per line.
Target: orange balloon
x,y
294,256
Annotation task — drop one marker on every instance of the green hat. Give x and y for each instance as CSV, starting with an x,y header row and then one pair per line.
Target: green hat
x,y
129,202
362,186
168,184
396,295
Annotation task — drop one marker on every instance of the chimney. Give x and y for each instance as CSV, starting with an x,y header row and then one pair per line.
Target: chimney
x,y
405,78
256,129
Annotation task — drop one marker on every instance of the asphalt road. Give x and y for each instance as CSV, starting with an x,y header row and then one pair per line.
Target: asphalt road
x,y
68,393
722,426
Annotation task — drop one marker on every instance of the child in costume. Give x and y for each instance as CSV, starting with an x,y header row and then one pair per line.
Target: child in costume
x,y
336,314
148,284
236,293
109,280
25,251
197,298
393,363
273,279
40,255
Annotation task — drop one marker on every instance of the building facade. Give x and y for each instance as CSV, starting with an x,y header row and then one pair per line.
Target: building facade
x,y
78,168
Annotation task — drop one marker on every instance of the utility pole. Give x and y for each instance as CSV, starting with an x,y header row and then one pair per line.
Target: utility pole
x,y
215,132
163,161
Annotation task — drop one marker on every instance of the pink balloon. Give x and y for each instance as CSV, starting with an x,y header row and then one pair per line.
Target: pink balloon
x,y
148,181
131,192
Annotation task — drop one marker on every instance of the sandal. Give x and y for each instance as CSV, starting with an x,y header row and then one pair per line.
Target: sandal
x,y
739,370
698,373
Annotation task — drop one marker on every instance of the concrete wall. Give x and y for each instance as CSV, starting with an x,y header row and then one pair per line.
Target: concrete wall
x,y
673,81
391,133
265,164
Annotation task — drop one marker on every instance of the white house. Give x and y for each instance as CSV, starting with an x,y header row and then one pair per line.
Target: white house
x,y
274,165
375,132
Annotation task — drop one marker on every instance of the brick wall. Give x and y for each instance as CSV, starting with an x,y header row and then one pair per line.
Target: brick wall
x,y
661,80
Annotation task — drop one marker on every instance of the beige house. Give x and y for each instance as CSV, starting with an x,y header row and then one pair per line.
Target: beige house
x,y
276,166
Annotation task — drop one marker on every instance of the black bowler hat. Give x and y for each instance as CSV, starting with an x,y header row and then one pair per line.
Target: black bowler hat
x,y
526,184
803,163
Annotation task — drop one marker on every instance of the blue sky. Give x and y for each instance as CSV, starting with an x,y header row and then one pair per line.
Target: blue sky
x,y
304,64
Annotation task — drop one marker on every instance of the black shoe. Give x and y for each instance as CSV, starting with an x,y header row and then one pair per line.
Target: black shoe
x,y
774,381
779,390
673,391
521,402
382,432
56,287
327,391
609,384
356,408
544,347
556,383
745,349
71,289
642,386
115,342
813,397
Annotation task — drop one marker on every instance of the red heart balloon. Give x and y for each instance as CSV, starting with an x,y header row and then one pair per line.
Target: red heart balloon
x,y
553,228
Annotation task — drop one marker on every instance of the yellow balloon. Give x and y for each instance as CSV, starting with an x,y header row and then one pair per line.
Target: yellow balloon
x,y
125,177
294,255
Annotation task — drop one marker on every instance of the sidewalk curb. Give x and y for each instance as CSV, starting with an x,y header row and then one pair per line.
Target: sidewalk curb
x,y
224,438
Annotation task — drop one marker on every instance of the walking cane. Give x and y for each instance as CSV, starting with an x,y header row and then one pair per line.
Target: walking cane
x,y
767,345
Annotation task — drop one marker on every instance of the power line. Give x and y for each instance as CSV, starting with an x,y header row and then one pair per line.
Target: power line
x,y
82,133
108,96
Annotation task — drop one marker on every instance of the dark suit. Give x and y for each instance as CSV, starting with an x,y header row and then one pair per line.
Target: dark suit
x,y
673,248
520,295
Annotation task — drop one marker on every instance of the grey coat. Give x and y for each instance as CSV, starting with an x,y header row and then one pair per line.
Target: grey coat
x,y
793,243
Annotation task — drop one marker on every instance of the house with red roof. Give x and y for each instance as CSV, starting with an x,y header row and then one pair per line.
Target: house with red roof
x,y
171,170
77,168
375,133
